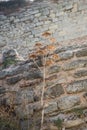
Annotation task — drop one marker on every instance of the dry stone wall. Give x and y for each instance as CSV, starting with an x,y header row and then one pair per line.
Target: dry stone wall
x,y
65,95
65,98
64,19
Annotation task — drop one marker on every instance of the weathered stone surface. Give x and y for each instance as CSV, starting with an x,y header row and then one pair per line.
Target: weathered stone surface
x,y
14,80
54,91
2,44
11,71
9,53
73,123
54,69
1,59
34,74
74,64
50,107
2,90
77,86
80,73
69,48
24,96
24,111
67,102
65,55
26,124
81,52
3,74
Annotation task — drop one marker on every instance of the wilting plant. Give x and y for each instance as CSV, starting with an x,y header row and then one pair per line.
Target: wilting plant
x,y
47,57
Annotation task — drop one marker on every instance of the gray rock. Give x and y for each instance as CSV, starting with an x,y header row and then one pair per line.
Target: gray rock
x,y
80,73
2,90
3,74
65,55
14,80
75,64
24,96
34,74
9,53
67,102
77,86
54,91
54,69
81,52
50,107
24,111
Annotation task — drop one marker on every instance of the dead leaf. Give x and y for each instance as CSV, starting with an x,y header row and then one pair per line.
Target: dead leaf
x,y
38,44
50,47
46,34
49,62
32,56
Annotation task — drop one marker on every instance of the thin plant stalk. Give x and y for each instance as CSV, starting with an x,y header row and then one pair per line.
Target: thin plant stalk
x,y
43,90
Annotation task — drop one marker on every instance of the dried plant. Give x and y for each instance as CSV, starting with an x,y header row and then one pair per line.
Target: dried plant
x,y
47,60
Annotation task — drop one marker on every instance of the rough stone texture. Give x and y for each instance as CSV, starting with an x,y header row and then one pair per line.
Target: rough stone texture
x,y
2,90
80,73
54,69
65,55
62,18
66,79
54,91
14,80
21,85
82,52
75,64
67,102
77,86
51,107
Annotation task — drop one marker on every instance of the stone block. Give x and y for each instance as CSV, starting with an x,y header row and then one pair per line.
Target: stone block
x,y
54,69
24,96
75,64
67,102
14,80
50,107
69,6
81,52
2,90
38,15
65,55
24,111
77,86
80,73
36,74
55,91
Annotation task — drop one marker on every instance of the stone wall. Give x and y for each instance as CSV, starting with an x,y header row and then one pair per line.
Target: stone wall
x,y
65,97
64,19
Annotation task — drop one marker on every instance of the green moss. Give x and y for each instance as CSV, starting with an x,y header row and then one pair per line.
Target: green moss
x,y
59,123
9,62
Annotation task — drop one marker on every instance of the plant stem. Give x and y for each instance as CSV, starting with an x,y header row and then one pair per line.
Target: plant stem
x,y
43,90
